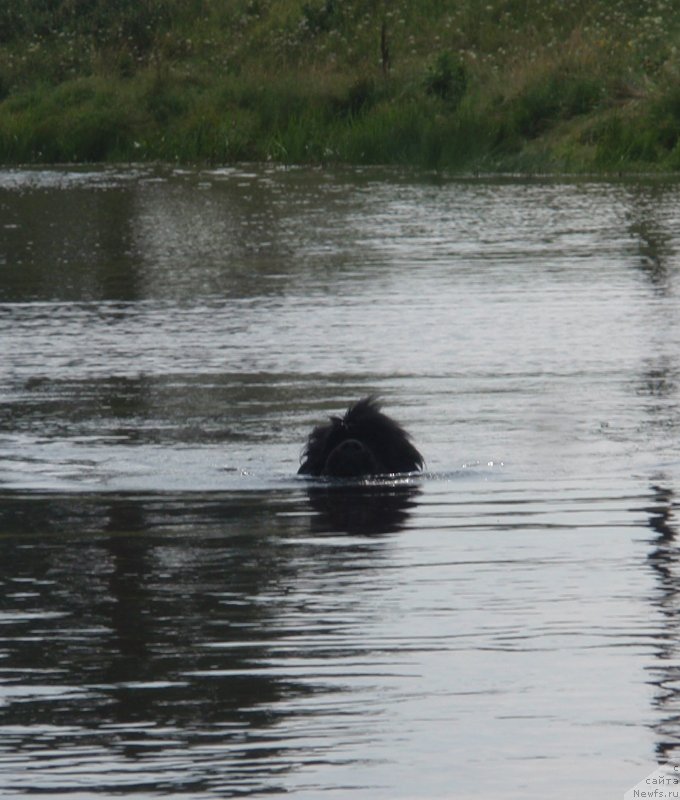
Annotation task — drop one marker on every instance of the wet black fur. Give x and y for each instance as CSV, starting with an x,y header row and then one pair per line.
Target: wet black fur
x,y
363,442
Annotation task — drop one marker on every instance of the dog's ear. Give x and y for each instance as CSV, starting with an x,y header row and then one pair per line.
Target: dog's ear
x,y
320,443
313,454
389,442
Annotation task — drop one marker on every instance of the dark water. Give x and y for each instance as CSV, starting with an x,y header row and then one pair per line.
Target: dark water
x,y
181,616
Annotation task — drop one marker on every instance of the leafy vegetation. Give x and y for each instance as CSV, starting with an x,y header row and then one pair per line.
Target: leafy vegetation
x,y
500,85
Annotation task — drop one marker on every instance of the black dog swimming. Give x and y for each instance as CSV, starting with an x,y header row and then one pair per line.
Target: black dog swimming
x,y
363,442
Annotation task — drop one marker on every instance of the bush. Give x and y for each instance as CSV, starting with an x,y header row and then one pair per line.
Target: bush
x,y
446,79
550,98
319,18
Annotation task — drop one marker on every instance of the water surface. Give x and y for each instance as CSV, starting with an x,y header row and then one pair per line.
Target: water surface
x,y
181,615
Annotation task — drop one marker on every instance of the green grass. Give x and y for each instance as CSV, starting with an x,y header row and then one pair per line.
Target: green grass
x,y
536,85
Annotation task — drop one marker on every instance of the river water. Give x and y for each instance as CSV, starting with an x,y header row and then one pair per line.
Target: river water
x,y
183,616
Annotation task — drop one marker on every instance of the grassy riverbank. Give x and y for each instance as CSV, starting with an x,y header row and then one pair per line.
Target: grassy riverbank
x,y
501,85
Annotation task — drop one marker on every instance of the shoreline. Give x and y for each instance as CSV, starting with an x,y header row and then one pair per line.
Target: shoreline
x,y
507,88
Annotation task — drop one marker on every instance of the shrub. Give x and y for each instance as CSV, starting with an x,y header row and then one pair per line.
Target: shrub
x,y
446,79
319,18
550,97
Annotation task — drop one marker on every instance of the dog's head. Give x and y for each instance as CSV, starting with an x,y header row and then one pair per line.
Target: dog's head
x,y
363,442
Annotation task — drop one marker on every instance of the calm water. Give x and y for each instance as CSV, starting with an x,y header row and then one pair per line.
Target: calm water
x,y
181,616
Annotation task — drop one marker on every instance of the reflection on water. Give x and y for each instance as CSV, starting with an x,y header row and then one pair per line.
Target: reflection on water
x,y
179,613
189,649
363,509
664,559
